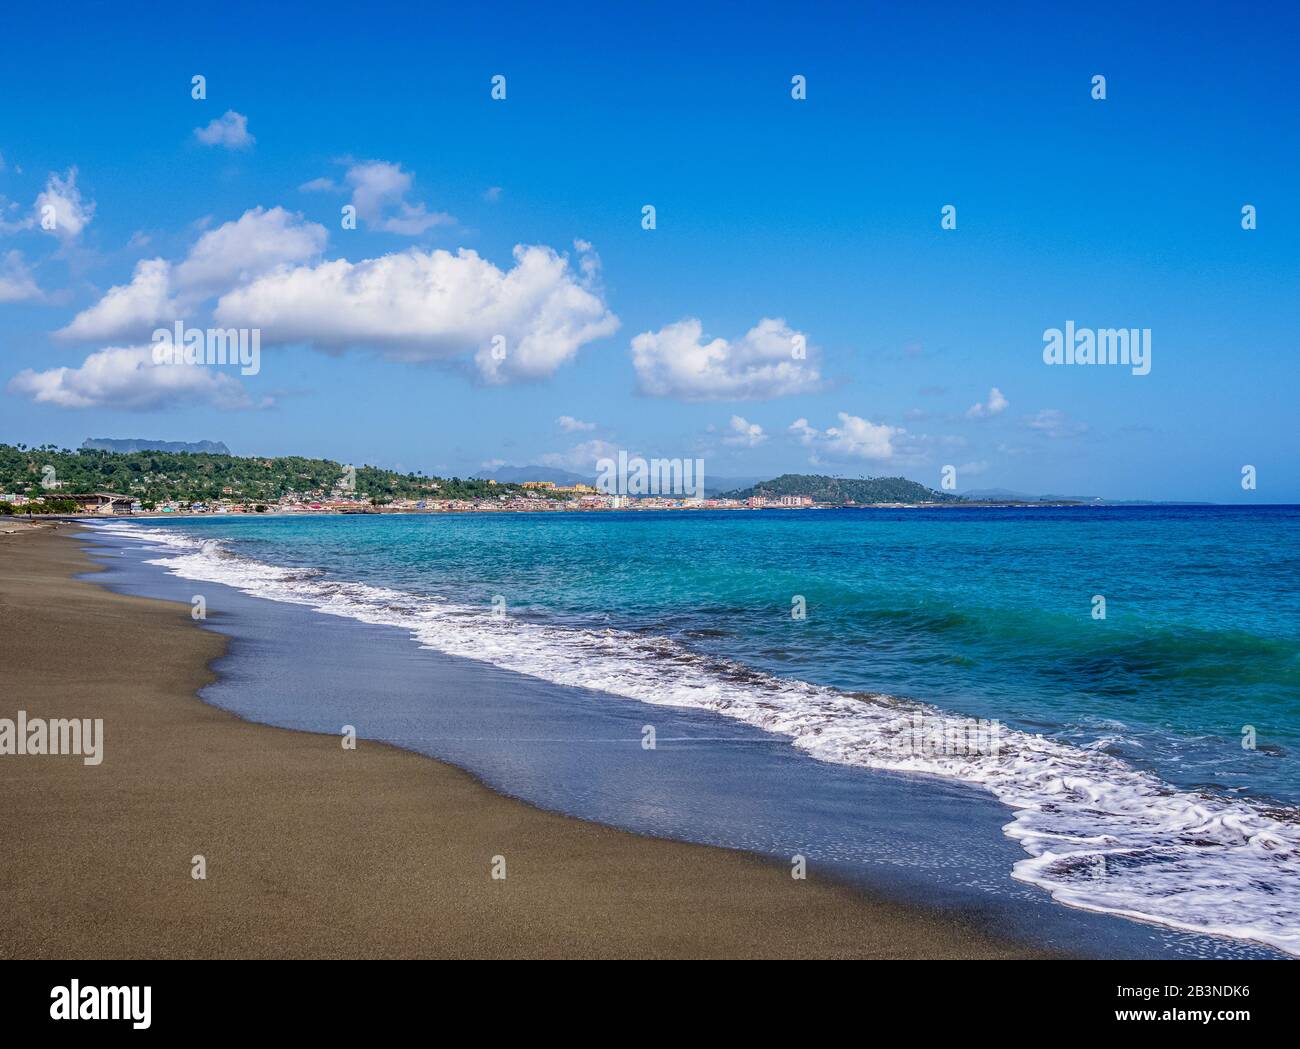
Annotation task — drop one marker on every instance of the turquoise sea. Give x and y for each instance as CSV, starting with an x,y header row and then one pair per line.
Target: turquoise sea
x,y
1149,761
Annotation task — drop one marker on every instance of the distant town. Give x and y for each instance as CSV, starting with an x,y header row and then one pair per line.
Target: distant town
x,y
111,478
537,496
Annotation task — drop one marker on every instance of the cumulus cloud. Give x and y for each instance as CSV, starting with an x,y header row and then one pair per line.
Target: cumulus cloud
x,y
379,191
744,433
854,438
234,253
254,244
128,309
581,458
1054,423
229,130
569,424
521,323
127,378
994,405
16,281
675,361
62,203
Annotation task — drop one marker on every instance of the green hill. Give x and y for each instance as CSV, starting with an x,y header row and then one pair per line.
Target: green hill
x,y
158,476
844,490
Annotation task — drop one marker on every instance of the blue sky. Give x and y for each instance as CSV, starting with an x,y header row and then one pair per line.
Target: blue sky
x,y
820,217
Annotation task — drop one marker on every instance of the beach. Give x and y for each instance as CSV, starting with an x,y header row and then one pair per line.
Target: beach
x,y
315,851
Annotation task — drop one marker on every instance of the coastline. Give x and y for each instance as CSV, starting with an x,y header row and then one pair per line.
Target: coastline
x,y
314,851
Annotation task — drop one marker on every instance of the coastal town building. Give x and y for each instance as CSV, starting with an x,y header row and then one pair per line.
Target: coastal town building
x,y
100,502
530,497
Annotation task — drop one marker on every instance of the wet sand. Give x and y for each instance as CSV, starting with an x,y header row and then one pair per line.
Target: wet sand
x,y
312,850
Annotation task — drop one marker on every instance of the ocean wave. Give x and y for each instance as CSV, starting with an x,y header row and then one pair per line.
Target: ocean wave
x,y
1098,833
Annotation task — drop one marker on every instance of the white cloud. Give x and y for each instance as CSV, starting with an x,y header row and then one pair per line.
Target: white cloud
x,y
71,214
319,185
431,306
492,194
379,192
16,281
127,309
1054,423
995,404
569,424
127,378
676,362
229,130
854,438
254,244
234,253
581,458
744,433
588,263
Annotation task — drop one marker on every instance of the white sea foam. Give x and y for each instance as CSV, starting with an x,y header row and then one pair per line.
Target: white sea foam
x,y
1099,833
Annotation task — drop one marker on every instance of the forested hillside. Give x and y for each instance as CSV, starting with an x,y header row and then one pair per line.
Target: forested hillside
x,y
843,490
156,476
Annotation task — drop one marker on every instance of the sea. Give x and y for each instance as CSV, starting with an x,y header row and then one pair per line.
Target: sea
x,y
1110,694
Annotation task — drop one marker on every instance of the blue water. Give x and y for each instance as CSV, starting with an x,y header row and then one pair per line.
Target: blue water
x,y
985,612
982,612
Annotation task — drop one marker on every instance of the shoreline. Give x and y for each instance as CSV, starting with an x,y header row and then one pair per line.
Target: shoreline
x,y
385,511
314,851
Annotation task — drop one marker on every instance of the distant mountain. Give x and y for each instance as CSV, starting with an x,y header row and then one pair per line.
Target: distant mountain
x,y
718,485
998,495
995,494
140,444
844,490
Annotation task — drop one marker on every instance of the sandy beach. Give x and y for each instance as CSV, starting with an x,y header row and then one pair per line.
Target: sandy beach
x,y
312,850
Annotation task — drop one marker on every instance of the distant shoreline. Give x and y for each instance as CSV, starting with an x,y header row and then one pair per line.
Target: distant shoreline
x,y
561,509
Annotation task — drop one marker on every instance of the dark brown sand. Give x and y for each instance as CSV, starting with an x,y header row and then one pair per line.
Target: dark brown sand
x,y
315,851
